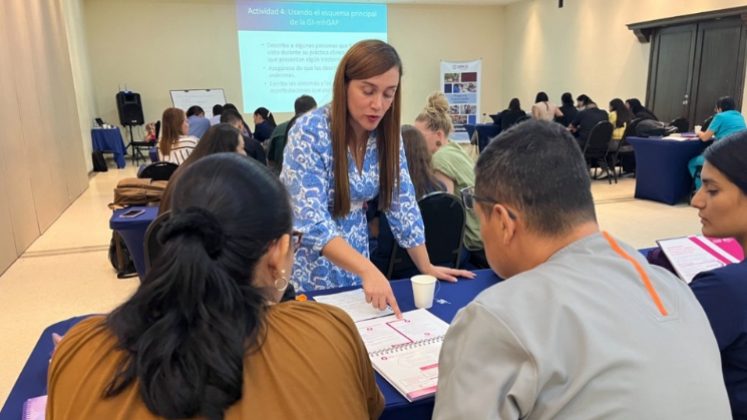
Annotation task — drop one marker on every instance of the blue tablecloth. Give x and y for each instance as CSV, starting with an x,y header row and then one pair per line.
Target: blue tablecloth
x,y
32,381
110,140
485,133
470,130
458,295
661,168
133,233
153,154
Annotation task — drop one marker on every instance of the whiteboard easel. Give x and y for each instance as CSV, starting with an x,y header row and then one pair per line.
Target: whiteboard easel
x,y
204,98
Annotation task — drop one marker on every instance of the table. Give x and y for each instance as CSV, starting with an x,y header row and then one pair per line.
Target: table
x,y
485,133
133,233
32,382
153,154
109,140
661,168
458,296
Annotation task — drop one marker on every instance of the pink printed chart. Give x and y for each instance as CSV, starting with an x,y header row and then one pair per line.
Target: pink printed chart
x,y
693,255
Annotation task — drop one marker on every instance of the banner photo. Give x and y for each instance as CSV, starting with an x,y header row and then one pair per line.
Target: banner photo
x,y
460,82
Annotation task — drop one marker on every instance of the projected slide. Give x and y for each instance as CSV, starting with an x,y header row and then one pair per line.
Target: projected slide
x,y
290,49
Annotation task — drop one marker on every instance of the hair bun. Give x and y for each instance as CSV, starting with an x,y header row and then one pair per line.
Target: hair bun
x,y
437,102
196,221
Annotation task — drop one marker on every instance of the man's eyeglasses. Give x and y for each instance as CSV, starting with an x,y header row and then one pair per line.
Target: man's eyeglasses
x,y
469,198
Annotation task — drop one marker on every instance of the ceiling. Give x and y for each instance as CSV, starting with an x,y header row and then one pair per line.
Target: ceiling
x,y
449,2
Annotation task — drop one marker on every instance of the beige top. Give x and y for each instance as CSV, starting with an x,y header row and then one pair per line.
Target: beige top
x,y
580,337
312,366
546,110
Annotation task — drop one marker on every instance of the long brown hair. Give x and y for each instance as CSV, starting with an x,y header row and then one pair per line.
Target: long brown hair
x,y
364,60
171,129
419,161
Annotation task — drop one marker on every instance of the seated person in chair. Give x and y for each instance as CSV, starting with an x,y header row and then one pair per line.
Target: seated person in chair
x,y
582,327
727,121
198,124
204,336
422,174
221,138
454,167
722,205
253,147
175,144
512,114
585,121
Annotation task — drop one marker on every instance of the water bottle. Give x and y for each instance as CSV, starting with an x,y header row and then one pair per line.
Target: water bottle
x,y
484,118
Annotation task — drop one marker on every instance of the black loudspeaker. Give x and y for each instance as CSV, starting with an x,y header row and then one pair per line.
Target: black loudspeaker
x,y
130,109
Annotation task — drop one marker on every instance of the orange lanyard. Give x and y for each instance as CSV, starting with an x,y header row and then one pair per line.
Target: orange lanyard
x,y
641,272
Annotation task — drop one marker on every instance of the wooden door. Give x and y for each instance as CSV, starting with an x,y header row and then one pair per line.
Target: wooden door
x,y
671,71
719,66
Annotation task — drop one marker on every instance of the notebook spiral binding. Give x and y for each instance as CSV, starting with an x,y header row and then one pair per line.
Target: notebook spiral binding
x,y
395,350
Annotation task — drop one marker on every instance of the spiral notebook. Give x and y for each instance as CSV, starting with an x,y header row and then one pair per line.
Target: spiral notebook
x,y
35,408
405,351
692,255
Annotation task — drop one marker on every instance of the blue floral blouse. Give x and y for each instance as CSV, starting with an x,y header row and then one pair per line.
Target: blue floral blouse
x,y
308,172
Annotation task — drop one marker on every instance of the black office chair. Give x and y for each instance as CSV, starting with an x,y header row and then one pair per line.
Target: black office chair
x,y
444,218
151,245
159,171
596,149
625,155
683,126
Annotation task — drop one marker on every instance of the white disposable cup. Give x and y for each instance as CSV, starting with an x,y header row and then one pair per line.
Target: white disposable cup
x,y
423,289
698,128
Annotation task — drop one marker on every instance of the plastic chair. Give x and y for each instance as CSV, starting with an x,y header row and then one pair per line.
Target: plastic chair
x,y
158,171
597,147
444,218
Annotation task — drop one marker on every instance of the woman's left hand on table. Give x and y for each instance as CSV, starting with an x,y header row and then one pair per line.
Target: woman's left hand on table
x,y
448,274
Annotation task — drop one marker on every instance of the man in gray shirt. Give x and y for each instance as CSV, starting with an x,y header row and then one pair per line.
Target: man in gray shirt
x,y
582,328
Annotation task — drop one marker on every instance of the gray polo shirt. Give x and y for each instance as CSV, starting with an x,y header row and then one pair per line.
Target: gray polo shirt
x,y
580,337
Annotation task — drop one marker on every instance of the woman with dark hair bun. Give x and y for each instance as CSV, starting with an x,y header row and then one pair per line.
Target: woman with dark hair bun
x,y
722,205
203,336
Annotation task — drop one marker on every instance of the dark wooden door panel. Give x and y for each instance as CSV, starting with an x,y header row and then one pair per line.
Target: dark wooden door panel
x,y
719,67
671,71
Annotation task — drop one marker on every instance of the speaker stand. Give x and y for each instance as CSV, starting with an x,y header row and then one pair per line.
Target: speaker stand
x,y
134,149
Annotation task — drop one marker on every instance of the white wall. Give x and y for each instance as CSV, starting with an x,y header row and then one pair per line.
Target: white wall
x,y
584,47
81,68
193,44
41,156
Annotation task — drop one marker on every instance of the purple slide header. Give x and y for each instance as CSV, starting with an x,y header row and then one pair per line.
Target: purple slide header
x,y
311,17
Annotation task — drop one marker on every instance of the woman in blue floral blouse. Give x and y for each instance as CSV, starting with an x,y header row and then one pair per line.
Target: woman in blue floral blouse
x,y
361,128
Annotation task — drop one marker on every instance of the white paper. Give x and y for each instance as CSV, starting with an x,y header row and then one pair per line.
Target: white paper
x,y
688,258
389,332
354,303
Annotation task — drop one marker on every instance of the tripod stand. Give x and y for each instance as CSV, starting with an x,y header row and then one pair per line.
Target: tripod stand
x,y
135,146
